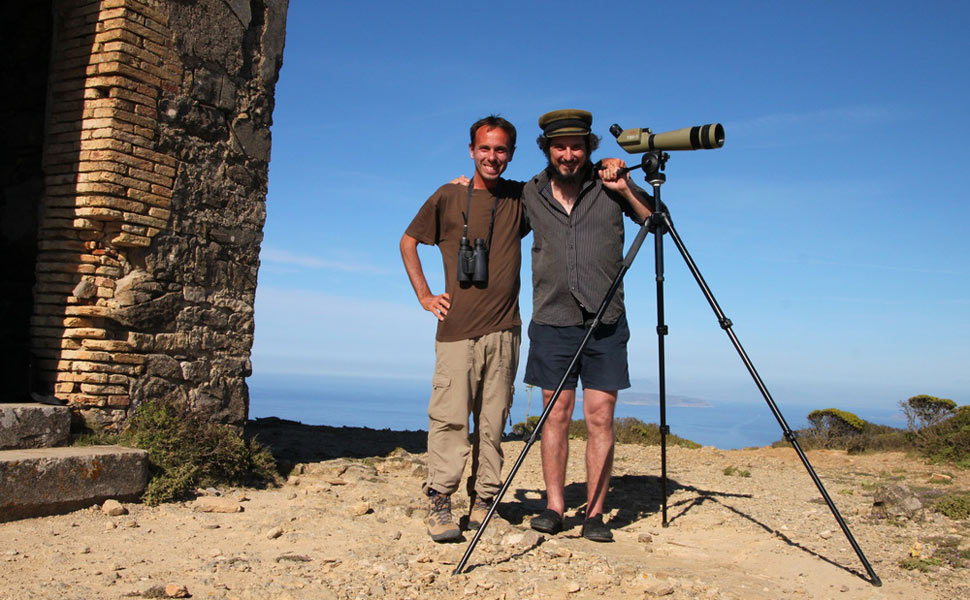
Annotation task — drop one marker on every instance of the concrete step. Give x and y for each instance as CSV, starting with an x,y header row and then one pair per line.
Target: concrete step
x,y
33,426
45,481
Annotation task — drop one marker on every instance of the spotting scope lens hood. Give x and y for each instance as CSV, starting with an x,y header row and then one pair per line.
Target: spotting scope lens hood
x,y
701,137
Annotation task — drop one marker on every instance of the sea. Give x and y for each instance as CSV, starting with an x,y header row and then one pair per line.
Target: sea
x,y
401,404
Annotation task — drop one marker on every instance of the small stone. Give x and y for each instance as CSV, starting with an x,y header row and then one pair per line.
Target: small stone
x,y
176,590
293,558
396,535
113,508
825,534
274,533
659,589
844,589
940,478
214,504
360,509
522,539
572,587
644,538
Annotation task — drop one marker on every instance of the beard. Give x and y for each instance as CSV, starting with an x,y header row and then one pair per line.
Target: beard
x,y
571,179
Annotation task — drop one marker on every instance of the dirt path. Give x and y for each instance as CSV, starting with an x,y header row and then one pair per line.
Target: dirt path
x,y
353,528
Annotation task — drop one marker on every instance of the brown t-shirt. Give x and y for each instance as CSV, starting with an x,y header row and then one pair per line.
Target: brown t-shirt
x,y
476,310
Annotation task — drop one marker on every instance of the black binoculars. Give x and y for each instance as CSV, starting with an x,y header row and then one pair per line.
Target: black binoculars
x,y
472,262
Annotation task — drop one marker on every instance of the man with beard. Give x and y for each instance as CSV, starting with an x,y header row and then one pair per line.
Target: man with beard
x,y
577,250
477,340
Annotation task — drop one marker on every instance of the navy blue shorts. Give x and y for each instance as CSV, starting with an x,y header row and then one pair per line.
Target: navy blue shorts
x,y
602,365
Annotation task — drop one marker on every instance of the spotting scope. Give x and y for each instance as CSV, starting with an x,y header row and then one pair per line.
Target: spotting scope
x,y
701,137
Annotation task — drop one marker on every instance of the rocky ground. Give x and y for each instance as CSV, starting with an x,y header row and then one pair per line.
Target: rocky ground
x,y
742,524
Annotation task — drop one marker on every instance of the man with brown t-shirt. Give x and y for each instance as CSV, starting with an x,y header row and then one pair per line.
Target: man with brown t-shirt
x,y
477,342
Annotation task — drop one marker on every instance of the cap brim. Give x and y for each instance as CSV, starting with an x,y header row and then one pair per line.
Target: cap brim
x,y
567,131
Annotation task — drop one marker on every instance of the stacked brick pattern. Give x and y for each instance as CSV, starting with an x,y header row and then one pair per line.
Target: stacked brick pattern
x,y
152,217
107,189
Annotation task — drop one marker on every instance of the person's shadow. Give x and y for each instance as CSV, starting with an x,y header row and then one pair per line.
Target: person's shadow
x,y
632,496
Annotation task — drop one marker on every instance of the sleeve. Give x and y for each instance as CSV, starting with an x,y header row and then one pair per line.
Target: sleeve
x,y
525,226
627,209
426,225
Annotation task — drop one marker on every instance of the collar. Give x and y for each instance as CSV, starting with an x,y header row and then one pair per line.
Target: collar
x,y
542,179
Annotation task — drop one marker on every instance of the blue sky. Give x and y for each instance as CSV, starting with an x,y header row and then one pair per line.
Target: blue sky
x,y
831,227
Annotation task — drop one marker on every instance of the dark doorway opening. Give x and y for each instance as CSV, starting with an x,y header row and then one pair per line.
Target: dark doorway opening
x,y
26,32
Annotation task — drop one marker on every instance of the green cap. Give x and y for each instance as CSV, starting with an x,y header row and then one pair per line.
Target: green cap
x,y
568,121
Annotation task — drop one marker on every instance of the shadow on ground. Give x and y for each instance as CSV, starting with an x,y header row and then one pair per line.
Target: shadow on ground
x,y
294,442
634,496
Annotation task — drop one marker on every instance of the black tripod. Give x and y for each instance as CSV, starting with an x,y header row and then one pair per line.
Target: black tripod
x,y
660,224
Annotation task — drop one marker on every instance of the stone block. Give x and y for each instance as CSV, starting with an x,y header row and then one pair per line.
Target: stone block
x,y
33,426
57,480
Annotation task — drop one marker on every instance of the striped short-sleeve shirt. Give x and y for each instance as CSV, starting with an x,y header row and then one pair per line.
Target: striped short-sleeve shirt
x,y
575,256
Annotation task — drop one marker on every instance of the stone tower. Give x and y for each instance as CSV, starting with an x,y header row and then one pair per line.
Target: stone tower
x,y
134,179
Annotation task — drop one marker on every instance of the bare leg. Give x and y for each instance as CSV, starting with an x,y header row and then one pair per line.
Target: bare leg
x,y
555,447
598,408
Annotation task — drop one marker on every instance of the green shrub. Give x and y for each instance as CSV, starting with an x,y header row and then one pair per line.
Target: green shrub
x,y
937,428
833,428
838,429
949,440
923,565
627,430
185,452
956,506
732,470
525,428
926,411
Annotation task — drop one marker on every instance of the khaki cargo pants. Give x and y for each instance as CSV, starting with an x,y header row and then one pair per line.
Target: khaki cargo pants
x,y
471,377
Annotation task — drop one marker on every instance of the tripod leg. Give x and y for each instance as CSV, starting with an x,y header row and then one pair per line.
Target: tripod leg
x,y
789,434
627,262
658,248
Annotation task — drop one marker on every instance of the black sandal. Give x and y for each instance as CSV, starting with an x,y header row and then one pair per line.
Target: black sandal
x,y
596,530
548,522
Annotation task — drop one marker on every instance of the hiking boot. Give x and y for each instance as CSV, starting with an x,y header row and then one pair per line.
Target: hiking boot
x,y
441,525
548,522
596,530
480,508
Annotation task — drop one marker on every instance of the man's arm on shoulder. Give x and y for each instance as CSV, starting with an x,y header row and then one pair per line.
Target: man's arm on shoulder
x,y
439,304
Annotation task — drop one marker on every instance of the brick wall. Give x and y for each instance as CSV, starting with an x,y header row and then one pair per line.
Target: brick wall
x,y
148,249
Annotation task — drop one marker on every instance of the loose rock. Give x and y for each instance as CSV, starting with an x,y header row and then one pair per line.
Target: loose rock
x,y
176,590
895,501
113,508
213,504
